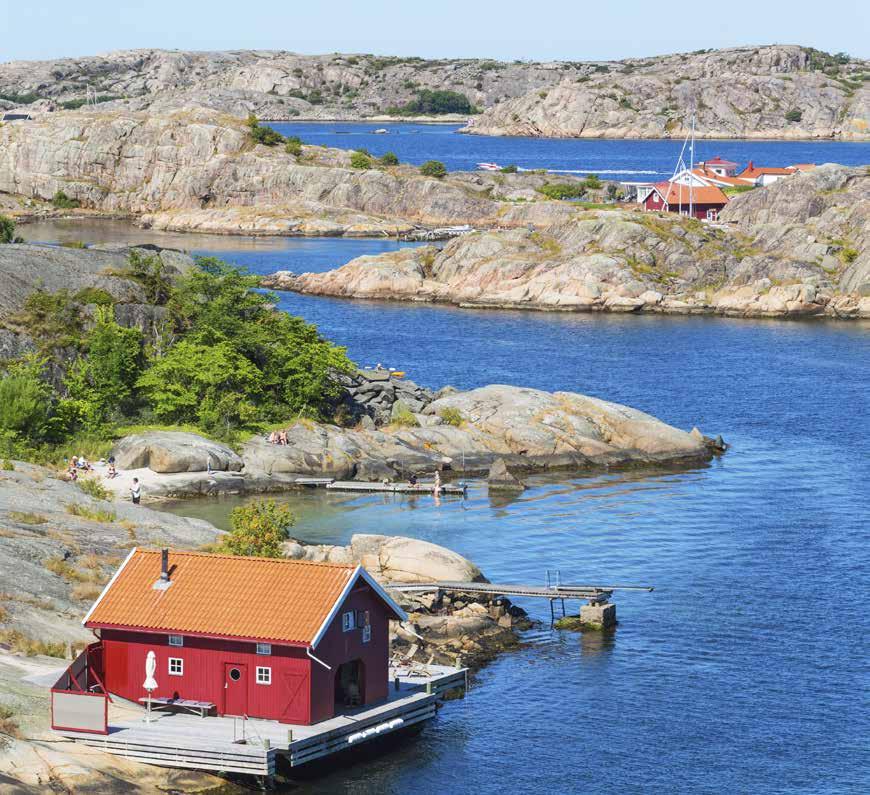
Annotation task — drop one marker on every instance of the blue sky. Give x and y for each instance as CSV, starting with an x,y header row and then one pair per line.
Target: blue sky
x,y
536,29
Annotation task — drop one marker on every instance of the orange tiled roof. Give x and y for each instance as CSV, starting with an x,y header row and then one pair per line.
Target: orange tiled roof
x,y
673,193
757,171
255,598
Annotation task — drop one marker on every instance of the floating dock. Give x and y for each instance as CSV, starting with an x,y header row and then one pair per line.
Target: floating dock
x,y
253,746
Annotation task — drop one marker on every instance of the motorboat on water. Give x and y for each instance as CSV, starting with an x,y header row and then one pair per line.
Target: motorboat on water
x,y
381,131
489,166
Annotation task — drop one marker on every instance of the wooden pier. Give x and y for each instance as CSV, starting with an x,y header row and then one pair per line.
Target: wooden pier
x,y
253,747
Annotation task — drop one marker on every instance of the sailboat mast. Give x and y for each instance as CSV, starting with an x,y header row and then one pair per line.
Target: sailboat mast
x,y
691,169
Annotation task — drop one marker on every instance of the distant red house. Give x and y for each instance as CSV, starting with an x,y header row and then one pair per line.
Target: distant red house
x,y
706,200
719,166
287,640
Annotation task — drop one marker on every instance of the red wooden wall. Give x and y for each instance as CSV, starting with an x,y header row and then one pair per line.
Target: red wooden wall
x,y
302,691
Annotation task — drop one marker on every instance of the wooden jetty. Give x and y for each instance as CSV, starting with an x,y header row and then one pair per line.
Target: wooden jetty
x,y
252,746
395,488
597,596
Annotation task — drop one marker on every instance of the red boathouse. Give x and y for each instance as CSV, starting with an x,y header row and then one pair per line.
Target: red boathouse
x,y
286,640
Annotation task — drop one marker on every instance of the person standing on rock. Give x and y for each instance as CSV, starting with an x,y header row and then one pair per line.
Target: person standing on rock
x,y
436,488
135,491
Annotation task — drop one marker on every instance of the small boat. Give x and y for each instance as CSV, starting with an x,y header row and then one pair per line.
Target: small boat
x,y
489,166
381,131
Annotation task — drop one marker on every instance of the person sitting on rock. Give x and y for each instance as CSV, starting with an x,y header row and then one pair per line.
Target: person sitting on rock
x,y
282,438
111,472
412,481
273,437
73,472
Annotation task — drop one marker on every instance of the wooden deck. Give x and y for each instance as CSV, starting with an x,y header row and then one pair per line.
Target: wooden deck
x,y
213,743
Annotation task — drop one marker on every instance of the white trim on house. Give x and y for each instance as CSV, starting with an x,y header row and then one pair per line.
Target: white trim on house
x,y
358,572
109,584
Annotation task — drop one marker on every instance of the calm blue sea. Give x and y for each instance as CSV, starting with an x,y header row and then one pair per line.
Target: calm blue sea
x,y
747,669
618,159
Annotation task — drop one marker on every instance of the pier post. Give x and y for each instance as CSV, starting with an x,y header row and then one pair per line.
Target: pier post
x,y
598,616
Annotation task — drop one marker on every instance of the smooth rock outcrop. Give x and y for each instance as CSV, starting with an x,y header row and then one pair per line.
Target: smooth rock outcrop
x,y
737,92
174,451
198,170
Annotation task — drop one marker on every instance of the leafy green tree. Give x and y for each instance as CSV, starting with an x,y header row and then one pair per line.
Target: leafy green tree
x,y
258,529
360,159
510,169
389,159
434,103
433,168
102,383
211,385
296,368
794,115
26,400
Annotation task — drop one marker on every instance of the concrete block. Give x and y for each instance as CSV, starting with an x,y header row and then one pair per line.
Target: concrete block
x,y
601,616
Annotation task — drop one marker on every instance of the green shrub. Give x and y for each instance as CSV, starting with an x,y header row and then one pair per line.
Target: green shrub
x,y
258,529
293,146
451,415
64,202
793,115
593,182
94,488
7,465
402,416
7,229
26,401
360,159
433,168
21,99
510,169
150,271
563,190
263,135
72,104
389,159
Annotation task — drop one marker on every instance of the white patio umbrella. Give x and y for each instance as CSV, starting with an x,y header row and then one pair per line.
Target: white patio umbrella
x,y
150,682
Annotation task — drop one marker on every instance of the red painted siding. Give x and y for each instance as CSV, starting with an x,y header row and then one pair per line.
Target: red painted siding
x,y
337,647
286,699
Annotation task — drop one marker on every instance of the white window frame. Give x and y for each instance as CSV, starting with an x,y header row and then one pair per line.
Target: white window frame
x,y
348,621
176,640
366,633
264,648
266,673
180,666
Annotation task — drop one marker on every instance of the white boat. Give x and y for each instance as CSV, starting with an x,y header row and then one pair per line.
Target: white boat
x,y
489,166
381,131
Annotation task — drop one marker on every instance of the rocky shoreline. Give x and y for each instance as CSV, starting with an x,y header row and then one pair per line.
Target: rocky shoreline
x,y
798,248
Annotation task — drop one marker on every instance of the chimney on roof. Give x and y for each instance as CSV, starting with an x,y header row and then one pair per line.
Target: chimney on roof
x,y
164,582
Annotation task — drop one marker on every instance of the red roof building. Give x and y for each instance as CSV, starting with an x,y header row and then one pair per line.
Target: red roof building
x,y
765,175
706,201
720,167
287,640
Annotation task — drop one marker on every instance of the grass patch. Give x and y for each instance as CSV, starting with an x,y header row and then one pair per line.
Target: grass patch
x,y
7,465
451,415
546,243
27,517
403,416
20,642
8,725
86,591
94,514
89,571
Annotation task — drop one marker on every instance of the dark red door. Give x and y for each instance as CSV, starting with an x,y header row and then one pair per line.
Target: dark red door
x,y
295,695
235,689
